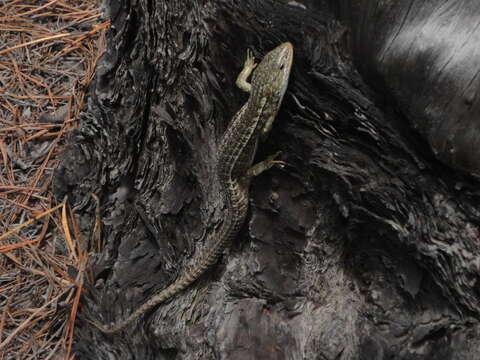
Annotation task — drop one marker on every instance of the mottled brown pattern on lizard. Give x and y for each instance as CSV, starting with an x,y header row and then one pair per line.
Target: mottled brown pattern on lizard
x,y
235,171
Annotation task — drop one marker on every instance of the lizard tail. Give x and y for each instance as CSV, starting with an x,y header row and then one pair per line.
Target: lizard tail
x,y
227,233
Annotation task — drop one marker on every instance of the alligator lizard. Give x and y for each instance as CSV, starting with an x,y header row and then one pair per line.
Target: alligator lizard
x,y
234,168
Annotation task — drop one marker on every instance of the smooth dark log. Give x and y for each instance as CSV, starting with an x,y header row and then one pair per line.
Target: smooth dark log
x,y
425,55
364,247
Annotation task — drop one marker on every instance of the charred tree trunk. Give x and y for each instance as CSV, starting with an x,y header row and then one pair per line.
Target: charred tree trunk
x,y
365,246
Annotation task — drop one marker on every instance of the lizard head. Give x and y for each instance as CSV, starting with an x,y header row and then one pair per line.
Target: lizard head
x,y
270,80
272,73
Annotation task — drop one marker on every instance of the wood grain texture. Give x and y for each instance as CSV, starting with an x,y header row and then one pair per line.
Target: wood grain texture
x,y
363,247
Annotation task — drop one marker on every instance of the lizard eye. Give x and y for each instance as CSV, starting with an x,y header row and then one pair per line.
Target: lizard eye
x,y
282,66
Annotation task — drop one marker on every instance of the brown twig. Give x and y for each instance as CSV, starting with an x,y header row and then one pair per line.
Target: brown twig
x,y
36,37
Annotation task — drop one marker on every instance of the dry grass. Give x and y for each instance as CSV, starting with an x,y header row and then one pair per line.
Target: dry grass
x,y
48,52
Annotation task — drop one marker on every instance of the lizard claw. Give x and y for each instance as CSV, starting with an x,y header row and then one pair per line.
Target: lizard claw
x,y
250,60
281,164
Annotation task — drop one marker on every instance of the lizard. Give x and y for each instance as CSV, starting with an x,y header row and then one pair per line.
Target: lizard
x,y
234,168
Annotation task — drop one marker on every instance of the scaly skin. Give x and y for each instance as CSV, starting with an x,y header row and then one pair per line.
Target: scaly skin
x,y
234,169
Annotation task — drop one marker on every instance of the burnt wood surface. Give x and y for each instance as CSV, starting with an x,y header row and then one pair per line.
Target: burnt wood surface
x,y
365,246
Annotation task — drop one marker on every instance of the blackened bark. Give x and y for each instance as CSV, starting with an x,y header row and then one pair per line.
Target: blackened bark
x,y
363,247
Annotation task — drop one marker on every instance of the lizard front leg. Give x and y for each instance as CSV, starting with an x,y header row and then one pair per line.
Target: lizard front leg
x,y
248,67
264,165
